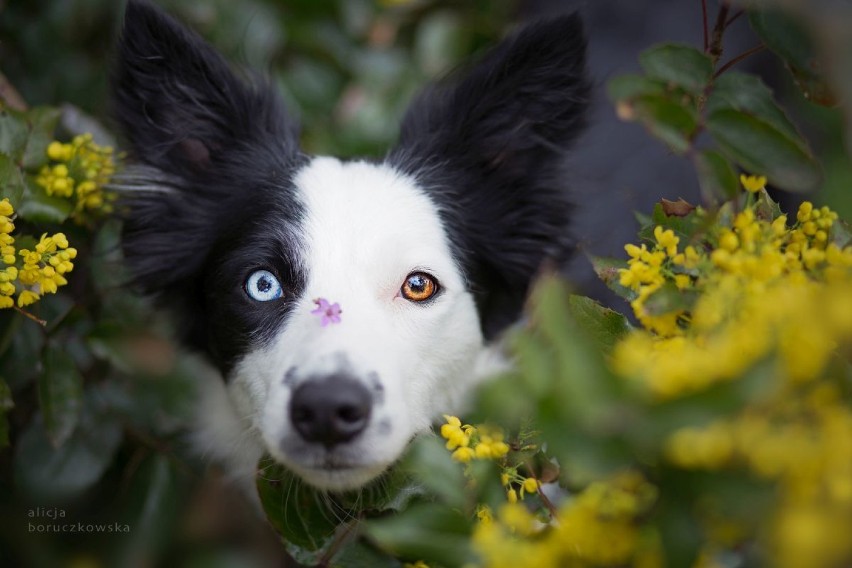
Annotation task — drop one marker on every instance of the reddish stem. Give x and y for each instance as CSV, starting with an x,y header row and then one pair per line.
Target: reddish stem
x,y
738,58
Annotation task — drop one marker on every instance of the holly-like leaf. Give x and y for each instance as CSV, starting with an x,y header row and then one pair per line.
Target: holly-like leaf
x,y
604,326
760,148
48,472
13,134
60,394
607,270
789,39
11,181
668,299
748,94
628,87
678,64
297,511
715,176
670,121
426,531
39,207
42,124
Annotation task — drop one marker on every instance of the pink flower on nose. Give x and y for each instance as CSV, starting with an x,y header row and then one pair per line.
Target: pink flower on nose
x,y
330,313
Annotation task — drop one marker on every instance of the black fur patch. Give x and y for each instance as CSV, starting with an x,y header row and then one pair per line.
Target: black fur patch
x,y
213,199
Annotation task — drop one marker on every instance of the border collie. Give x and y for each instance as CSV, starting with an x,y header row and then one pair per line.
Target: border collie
x,y
345,303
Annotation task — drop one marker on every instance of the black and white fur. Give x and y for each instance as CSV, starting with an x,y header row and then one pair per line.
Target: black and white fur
x,y
222,206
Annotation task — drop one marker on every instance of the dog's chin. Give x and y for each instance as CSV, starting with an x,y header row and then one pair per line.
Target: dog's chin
x,y
338,477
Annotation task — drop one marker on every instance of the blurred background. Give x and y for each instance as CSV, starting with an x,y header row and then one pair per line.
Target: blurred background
x,y
347,69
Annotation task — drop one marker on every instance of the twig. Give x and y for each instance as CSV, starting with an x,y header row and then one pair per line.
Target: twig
x,y
548,504
734,18
715,49
27,314
738,58
704,22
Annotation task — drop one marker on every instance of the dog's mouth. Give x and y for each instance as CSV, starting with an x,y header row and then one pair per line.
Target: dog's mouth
x,y
336,475
335,469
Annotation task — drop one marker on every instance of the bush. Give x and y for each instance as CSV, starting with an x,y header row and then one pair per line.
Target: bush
x,y
708,427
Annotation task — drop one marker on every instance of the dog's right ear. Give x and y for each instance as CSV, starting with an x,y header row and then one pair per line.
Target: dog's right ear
x,y
208,148
180,105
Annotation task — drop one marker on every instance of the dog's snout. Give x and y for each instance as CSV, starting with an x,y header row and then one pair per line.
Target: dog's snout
x,y
331,410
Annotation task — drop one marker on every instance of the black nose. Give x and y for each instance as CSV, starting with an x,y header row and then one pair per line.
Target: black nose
x,y
330,410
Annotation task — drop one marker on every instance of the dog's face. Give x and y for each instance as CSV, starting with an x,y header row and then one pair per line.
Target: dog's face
x,y
346,303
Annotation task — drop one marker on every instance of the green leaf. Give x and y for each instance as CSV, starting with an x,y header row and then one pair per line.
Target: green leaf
x,y
13,134
761,149
607,270
298,512
789,39
11,181
669,299
748,93
604,326
39,207
671,122
715,176
60,394
685,227
152,509
50,473
431,463
426,531
632,86
6,404
43,122
678,64
359,554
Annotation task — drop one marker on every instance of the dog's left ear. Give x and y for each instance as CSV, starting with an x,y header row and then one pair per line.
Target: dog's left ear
x,y
489,146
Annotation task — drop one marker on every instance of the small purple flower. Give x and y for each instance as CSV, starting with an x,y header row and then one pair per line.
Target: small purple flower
x,y
330,312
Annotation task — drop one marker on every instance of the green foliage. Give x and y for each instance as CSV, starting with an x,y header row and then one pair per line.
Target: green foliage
x,y
95,402
684,92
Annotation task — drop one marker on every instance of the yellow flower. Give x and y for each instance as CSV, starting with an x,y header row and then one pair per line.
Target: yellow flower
x,y
530,485
666,239
753,184
463,454
6,209
27,297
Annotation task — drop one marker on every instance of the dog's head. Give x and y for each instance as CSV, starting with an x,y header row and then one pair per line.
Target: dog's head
x,y
345,302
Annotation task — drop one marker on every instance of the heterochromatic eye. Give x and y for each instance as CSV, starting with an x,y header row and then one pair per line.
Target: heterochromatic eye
x,y
263,286
419,287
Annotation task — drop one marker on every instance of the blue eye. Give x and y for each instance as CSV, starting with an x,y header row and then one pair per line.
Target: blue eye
x,y
263,286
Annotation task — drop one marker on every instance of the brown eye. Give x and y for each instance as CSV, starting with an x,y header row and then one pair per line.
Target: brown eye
x,y
419,287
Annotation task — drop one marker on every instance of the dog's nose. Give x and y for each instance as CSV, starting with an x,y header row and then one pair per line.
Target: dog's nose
x,y
330,410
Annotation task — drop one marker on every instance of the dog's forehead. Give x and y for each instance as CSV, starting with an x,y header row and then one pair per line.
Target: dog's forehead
x,y
360,213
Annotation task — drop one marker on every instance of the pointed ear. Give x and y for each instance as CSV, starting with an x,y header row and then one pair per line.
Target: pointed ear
x,y
490,144
209,150
179,104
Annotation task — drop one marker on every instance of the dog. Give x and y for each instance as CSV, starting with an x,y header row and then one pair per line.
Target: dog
x,y
346,304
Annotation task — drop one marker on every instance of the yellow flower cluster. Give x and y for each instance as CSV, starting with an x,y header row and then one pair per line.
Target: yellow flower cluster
x,y
83,169
42,270
802,442
771,303
469,442
761,288
7,251
597,527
